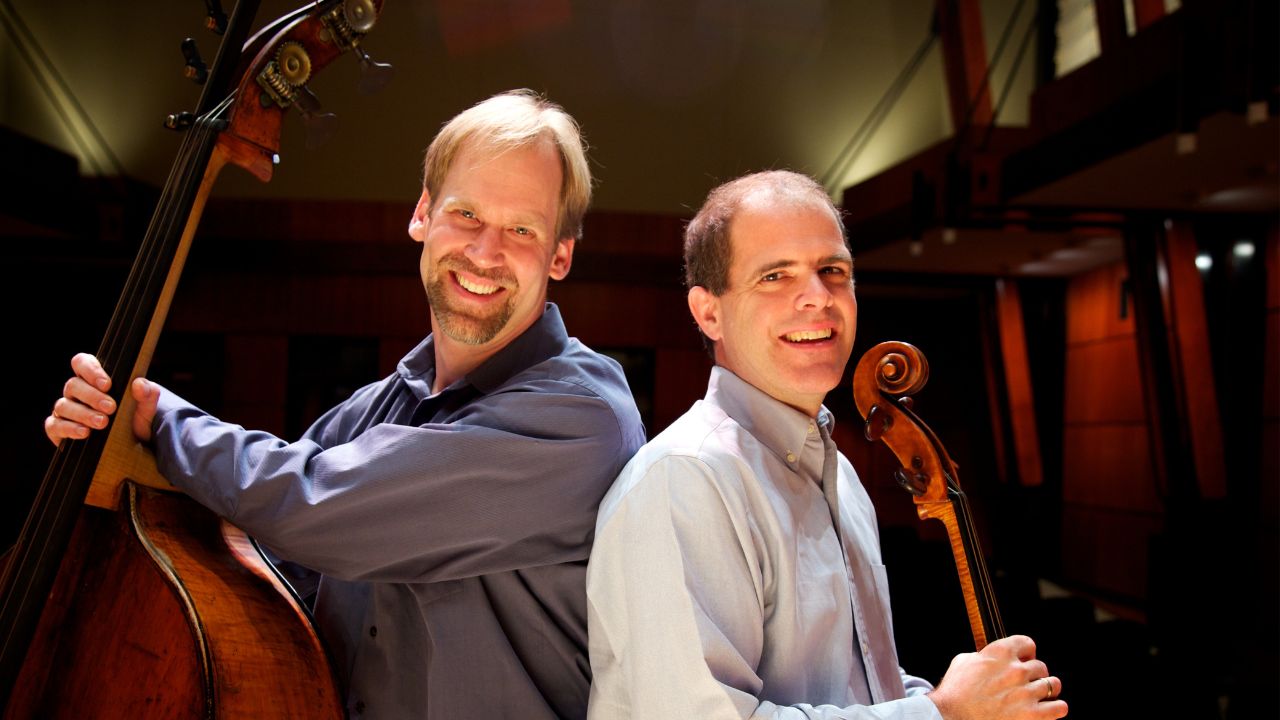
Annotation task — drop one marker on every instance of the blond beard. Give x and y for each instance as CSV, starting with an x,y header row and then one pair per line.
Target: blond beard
x,y
458,324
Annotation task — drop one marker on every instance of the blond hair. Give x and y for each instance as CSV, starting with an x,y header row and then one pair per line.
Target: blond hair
x,y
512,120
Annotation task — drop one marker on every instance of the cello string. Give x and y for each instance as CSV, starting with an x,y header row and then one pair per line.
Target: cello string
x,y
984,577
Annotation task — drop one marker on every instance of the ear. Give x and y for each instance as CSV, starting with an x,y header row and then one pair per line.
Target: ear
x,y
421,220
705,308
562,260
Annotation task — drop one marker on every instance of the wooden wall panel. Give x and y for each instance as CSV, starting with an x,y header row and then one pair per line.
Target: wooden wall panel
x,y
254,386
680,380
1094,302
1111,504
1017,371
610,315
1189,342
1108,548
1102,382
1109,466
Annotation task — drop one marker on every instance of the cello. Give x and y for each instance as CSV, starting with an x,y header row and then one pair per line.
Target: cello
x,y
122,598
883,382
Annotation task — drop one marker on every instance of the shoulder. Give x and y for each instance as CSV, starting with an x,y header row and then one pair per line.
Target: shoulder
x,y
698,458
586,378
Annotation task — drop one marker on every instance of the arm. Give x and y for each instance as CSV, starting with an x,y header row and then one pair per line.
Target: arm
x,y
512,482
677,597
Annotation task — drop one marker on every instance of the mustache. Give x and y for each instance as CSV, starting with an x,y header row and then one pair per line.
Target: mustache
x,y
458,261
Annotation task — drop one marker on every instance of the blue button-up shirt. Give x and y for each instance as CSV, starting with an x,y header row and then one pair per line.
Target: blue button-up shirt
x,y
452,528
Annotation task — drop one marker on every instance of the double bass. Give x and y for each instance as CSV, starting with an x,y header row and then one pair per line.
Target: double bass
x,y
121,597
884,381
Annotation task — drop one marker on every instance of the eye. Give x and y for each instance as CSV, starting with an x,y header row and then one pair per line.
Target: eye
x,y
771,277
521,230
468,214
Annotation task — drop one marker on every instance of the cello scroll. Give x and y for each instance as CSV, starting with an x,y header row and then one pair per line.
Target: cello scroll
x,y
883,384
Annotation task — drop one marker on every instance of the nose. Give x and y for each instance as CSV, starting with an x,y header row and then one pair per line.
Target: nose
x,y
814,293
484,248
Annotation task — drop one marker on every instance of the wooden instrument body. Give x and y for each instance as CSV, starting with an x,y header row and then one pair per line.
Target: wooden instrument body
x,y
157,608
164,611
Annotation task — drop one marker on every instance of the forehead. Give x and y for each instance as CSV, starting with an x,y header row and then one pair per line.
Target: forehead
x,y
528,176
788,228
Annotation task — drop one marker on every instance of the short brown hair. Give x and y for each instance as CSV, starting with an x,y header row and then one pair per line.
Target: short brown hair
x,y
707,250
511,120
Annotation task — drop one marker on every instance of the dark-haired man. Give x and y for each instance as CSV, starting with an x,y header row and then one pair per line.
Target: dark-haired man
x,y
736,571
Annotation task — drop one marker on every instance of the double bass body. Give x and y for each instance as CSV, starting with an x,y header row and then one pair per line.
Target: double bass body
x,y
159,609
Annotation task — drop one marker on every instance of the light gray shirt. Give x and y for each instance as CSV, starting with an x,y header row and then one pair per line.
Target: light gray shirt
x,y
721,587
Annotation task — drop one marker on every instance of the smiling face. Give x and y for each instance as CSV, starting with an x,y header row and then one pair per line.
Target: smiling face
x,y
786,320
489,245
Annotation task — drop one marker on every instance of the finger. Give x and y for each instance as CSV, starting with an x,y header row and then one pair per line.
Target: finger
x,y
1023,647
87,366
147,394
57,429
74,412
1052,709
1035,670
78,390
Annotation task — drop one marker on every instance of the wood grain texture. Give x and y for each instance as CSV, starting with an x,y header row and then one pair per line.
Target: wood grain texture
x,y
206,632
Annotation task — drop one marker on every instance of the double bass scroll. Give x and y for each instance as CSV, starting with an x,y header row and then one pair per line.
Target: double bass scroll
x,y
883,382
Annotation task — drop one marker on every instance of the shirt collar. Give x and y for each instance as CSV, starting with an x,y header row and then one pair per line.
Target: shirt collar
x,y
785,431
542,340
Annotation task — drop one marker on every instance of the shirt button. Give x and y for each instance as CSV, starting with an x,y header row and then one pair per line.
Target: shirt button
x,y
812,428
360,706
791,457
373,631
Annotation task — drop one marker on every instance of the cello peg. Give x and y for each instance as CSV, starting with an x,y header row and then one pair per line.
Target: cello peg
x,y
913,482
878,422
195,69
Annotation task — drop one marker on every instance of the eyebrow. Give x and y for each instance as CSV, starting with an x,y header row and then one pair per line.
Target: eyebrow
x,y
785,263
530,219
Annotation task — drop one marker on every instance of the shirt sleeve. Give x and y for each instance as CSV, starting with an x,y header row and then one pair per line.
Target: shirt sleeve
x,y
676,604
513,483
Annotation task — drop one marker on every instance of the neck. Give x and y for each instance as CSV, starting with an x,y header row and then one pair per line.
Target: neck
x,y
454,360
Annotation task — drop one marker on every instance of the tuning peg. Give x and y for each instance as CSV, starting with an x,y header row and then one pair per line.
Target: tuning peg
x,y
913,482
217,20
373,75
878,422
180,120
320,125
195,69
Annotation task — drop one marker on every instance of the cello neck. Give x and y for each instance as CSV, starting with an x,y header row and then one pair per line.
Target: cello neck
x,y
984,597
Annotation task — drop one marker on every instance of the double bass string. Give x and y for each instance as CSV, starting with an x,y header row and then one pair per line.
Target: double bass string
x,y
61,492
